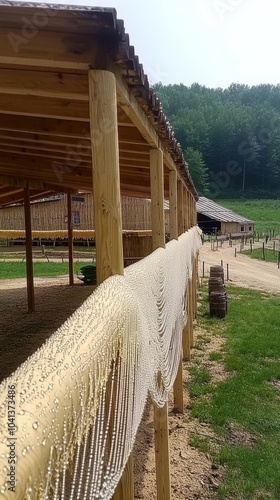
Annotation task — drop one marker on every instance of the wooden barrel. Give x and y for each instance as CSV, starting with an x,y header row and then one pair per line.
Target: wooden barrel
x,y
217,272
215,285
218,304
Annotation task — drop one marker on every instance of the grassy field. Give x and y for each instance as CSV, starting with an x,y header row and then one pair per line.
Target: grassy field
x,y
257,253
244,409
265,213
18,269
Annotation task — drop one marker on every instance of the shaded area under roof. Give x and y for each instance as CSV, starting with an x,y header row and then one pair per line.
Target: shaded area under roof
x,y
213,210
46,51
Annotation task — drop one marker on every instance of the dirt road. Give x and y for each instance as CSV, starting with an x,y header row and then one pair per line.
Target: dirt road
x,y
243,271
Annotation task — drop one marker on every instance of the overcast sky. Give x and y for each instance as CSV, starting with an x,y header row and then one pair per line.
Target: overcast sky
x,y
212,42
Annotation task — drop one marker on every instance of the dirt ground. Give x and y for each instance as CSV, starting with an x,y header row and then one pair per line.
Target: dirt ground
x,y
22,333
243,271
193,476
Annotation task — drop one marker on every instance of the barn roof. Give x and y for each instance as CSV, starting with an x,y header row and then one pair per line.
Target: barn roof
x,y
217,212
46,52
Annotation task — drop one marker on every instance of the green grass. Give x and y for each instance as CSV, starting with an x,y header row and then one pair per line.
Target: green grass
x,y
18,269
249,399
265,213
200,442
215,356
257,253
18,251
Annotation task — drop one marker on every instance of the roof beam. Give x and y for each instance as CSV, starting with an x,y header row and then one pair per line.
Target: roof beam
x,y
54,127
47,126
63,156
134,111
42,107
19,197
44,84
53,50
21,182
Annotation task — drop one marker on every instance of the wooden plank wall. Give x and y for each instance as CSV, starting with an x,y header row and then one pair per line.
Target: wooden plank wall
x,y
52,215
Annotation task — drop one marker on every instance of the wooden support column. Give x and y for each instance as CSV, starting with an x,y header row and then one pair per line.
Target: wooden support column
x,y
180,208
173,205
185,209
189,210
178,387
157,198
70,239
105,174
28,246
194,281
186,331
196,286
190,284
107,199
160,414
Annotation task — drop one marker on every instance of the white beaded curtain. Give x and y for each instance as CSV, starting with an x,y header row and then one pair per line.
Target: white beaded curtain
x,y
80,398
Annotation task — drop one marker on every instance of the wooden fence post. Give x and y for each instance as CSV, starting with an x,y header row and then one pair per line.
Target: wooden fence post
x,y
160,414
70,239
28,247
187,330
180,191
107,200
178,388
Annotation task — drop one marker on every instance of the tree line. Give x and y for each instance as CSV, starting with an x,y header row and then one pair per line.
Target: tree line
x,y
230,137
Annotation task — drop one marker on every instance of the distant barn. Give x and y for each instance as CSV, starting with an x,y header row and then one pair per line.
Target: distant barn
x,y
50,214
213,218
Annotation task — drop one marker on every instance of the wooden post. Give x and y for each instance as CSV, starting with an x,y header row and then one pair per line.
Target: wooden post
x,y
186,210
195,287
28,246
178,388
186,331
106,175
162,453
194,291
173,205
125,488
160,414
157,198
190,285
180,208
70,239
107,199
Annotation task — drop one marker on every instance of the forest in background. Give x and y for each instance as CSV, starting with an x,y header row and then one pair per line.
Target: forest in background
x,y
230,137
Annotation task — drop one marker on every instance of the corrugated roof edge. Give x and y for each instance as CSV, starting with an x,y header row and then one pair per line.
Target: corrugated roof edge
x,y
208,207
125,57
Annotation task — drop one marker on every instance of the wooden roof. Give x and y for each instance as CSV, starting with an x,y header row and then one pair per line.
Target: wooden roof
x,y
217,212
45,54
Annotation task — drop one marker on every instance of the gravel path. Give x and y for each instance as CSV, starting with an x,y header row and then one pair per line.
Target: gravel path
x,y
243,270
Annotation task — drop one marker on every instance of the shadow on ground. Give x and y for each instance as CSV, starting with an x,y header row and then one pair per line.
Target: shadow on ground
x,y
21,334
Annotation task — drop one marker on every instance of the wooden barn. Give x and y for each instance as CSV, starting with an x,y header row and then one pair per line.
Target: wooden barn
x,y
50,214
212,218
77,114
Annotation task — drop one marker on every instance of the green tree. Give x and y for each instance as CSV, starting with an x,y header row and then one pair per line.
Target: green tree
x,y
198,169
